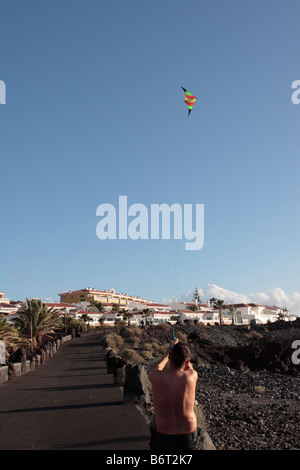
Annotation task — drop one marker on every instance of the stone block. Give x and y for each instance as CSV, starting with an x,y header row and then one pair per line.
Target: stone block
x,y
3,373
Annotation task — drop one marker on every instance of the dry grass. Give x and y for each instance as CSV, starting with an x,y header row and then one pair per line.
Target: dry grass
x,y
119,376
259,389
165,327
253,335
181,337
130,355
147,354
114,341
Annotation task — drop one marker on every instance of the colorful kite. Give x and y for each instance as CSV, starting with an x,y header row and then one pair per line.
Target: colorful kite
x,y
189,99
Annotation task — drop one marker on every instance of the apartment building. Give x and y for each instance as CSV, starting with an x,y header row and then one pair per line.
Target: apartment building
x,y
110,297
246,313
3,299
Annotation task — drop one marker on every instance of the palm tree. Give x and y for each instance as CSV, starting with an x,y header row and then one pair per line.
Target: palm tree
x,y
36,319
219,304
232,310
86,319
213,300
146,313
101,322
98,305
283,314
10,335
126,315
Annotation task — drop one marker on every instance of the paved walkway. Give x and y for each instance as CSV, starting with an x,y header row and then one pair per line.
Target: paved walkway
x,y
71,403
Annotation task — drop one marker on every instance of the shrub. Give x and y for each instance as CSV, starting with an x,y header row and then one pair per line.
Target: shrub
x,y
132,335
129,355
181,336
259,389
79,325
147,347
165,327
159,349
147,354
134,341
114,341
109,349
253,335
199,361
119,376
137,330
205,336
130,331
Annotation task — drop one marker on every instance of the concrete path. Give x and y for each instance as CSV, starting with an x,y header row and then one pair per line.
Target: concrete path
x,y
70,402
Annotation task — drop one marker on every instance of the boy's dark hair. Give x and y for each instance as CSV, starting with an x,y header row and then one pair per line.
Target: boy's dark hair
x,y
180,354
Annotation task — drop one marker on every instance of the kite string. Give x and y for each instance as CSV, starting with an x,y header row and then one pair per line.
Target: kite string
x,y
180,185
176,269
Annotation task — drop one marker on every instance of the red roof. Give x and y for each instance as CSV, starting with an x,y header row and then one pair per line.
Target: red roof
x,y
236,305
272,308
86,312
59,305
157,305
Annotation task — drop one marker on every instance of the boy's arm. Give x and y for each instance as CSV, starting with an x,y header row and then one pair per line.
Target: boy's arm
x,y
161,364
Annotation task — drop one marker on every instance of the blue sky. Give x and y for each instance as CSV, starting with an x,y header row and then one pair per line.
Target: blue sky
x,y
94,110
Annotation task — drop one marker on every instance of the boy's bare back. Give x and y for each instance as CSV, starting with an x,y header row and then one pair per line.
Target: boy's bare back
x,y
174,398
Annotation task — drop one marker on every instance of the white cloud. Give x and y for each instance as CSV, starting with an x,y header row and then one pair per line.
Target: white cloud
x,y
276,296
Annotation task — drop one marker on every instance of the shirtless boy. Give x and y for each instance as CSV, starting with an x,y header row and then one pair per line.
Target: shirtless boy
x,y
173,382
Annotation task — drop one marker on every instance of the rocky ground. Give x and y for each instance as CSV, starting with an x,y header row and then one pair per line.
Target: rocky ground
x,y
248,388
246,410
254,404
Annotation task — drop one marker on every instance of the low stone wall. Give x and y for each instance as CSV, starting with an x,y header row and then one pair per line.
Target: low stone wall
x,y
3,373
14,369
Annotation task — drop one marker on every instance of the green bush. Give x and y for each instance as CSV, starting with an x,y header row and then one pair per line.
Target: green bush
x,y
79,325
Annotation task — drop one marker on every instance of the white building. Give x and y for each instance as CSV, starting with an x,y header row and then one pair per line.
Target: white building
x,y
247,313
187,305
153,306
9,308
3,299
208,317
157,317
